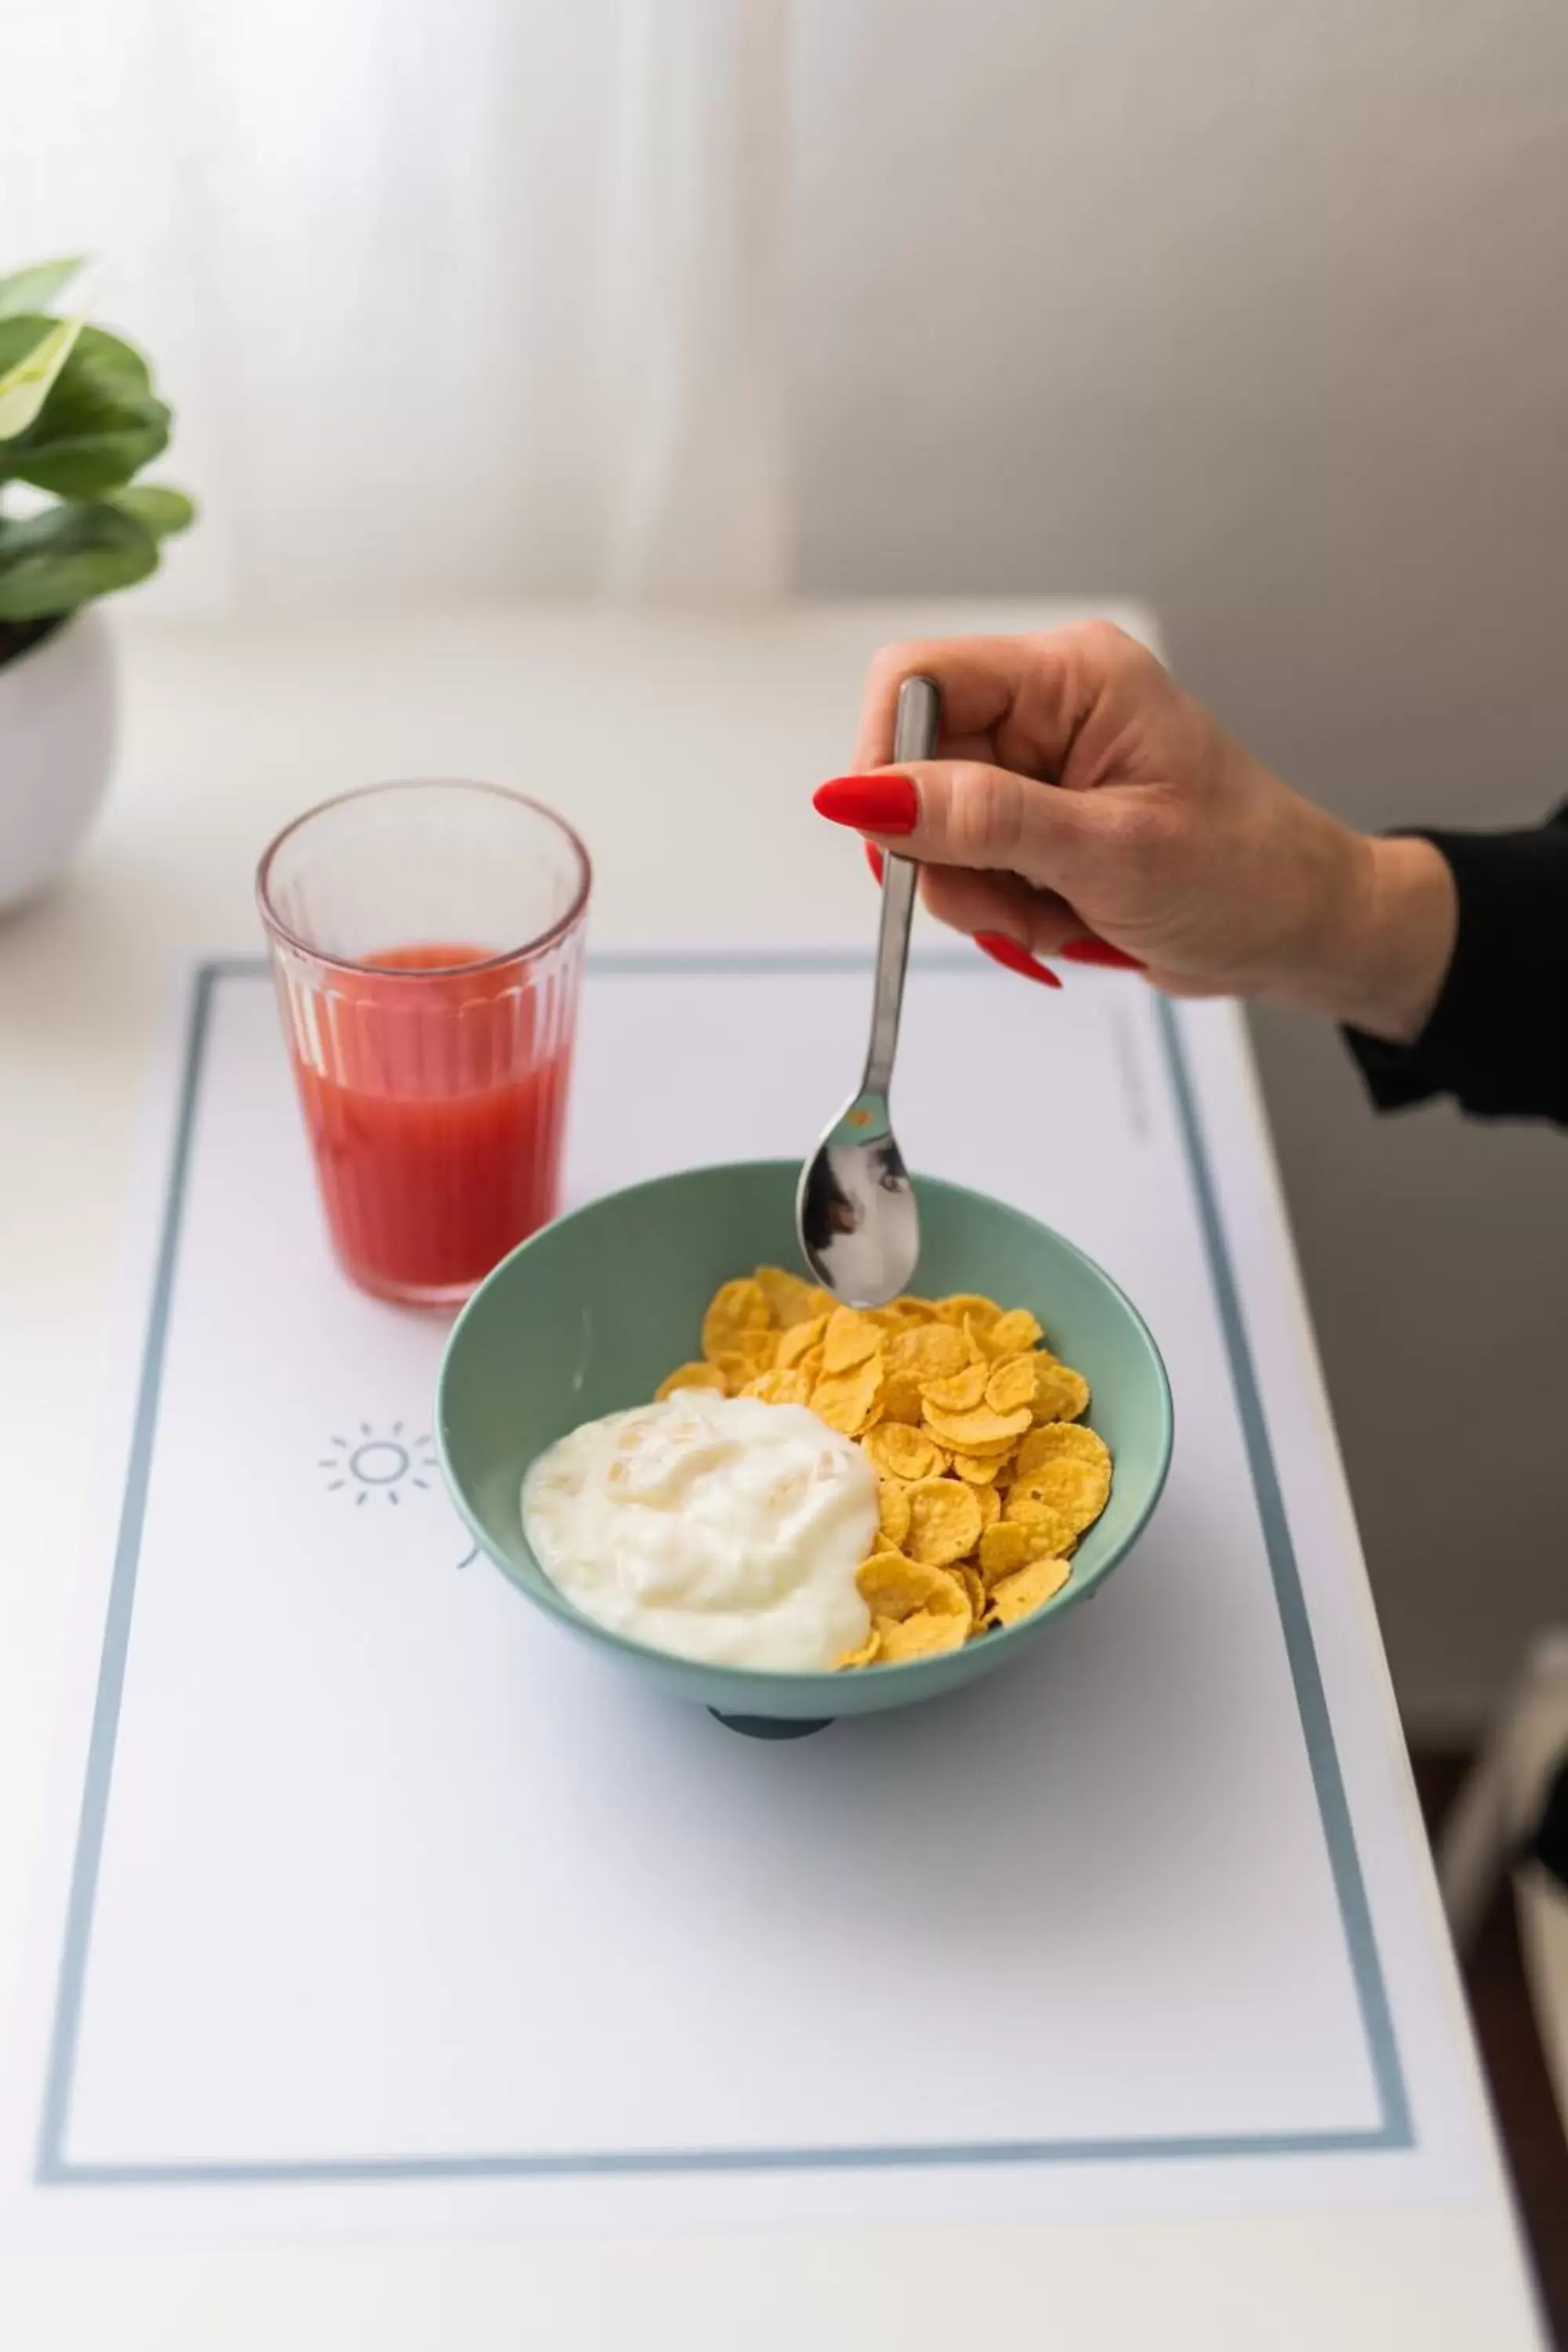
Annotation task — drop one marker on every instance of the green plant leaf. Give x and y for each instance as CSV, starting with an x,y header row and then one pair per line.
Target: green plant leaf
x,y
100,424
36,286
54,561
28,380
163,511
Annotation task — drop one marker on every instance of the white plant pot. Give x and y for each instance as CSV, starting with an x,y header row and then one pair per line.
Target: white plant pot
x,y
57,745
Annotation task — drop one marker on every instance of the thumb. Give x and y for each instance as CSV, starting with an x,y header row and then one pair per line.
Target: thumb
x,y
963,812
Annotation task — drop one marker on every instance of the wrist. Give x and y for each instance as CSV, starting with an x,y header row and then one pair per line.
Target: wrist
x,y
1387,939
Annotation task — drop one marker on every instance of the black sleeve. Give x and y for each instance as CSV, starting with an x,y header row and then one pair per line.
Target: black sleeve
x,y
1498,1037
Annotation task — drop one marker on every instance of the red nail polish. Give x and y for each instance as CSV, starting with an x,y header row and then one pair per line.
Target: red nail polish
x,y
874,804
1016,958
1088,948
873,858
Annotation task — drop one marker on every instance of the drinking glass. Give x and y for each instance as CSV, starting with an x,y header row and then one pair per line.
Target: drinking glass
x,y
427,940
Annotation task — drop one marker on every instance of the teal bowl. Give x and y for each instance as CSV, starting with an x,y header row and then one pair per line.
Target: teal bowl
x,y
589,1315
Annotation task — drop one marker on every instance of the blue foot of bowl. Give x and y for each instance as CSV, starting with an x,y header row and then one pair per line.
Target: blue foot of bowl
x,y
768,1726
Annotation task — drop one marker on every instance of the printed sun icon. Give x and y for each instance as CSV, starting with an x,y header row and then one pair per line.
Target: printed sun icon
x,y
374,1464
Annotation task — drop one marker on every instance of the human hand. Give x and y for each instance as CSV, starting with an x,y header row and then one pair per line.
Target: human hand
x,y
1083,799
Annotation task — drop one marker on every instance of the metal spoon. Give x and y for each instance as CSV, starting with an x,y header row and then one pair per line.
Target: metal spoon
x,y
855,1212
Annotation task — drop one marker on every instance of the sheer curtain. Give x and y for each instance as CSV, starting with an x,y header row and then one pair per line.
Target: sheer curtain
x,y
451,296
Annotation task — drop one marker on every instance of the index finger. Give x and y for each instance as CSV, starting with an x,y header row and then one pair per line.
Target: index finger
x,y
1018,699
977,677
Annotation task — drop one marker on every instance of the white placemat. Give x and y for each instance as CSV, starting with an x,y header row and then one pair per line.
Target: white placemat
x,y
380,1901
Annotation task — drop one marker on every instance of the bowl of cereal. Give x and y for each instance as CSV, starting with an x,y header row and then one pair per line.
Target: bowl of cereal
x,y
683,1452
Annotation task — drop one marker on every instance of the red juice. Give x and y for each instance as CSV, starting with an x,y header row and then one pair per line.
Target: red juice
x,y
435,1108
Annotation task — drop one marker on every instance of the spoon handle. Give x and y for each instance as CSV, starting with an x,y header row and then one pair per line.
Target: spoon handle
x,y
914,738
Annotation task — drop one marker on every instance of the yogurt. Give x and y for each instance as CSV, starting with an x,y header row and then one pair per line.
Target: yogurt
x,y
716,1527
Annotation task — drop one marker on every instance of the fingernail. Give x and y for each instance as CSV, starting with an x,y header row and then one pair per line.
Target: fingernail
x,y
873,858
1087,948
1016,958
874,804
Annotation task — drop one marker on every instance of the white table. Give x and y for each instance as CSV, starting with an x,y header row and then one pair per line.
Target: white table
x,y
683,746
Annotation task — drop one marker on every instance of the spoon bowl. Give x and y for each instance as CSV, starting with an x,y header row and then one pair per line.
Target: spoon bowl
x,y
859,1228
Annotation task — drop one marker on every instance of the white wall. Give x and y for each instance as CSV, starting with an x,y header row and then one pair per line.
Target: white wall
x,y
1259,310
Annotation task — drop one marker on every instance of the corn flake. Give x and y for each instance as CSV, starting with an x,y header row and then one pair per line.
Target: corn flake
x,y
690,1376
797,1339
967,1306
1002,1549
980,1432
1076,1488
893,1510
1061,1394
1053,1439
961,1391
777,1386
925,1634
848,1400
905,1313
1011,1386
893,1585
1050,1530
849,1339
791,1299
944,1521
901,1451
865,1655
1013,1334
932,1351
978,1469
900,1398
1026,1590
736,1308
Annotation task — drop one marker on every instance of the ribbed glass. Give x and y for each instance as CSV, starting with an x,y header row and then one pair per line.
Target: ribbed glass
x,y
427,940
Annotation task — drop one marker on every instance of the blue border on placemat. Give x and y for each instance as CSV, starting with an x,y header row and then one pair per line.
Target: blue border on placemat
x,y
1393,2131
